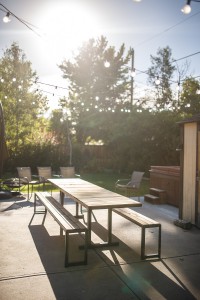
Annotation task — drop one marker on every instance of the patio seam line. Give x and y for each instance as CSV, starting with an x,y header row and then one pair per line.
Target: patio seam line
x,y
43,274
50,273
184,255
112,270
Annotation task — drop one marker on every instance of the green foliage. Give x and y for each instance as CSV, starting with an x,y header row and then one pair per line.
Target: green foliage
x,y
189,101
22,105
130,140
95,88
144,139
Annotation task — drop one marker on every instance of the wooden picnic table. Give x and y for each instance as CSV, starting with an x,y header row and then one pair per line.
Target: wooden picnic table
x,y
92,197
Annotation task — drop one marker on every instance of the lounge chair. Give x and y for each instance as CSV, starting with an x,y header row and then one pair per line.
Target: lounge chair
x,y
131,184
68,172
26,178
44,173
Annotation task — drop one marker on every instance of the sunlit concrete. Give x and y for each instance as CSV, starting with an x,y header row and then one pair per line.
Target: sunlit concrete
x,y
32,257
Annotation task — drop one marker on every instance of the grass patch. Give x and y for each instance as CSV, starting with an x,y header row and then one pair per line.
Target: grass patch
x,y
107,181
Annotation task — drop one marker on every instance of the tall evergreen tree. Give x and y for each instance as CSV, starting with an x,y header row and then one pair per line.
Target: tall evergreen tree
x,y
160,76
22,104
99,81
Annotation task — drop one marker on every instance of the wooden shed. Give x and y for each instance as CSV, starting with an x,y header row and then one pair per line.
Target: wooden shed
x,y
190,170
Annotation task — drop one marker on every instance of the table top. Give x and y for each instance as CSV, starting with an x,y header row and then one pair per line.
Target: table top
x,y
92,196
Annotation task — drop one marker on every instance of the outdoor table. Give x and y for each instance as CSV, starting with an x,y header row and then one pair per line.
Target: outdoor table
x,y
92,197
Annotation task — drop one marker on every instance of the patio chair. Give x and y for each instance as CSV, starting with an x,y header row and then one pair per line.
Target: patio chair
x,y
131,184
26,178
68,172
44,173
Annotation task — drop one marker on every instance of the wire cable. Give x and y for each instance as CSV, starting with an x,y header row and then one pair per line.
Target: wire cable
x,y
167,29
27,24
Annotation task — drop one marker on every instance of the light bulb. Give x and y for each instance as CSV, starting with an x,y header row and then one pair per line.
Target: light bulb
x,y
6,19
107,64
157,81
133,73
137,0
198,92
186,9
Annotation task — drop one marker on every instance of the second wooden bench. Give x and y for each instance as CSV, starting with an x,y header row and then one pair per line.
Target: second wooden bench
x,y
65,219
144,222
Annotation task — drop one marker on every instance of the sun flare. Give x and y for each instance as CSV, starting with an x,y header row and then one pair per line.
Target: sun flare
x,y
66,27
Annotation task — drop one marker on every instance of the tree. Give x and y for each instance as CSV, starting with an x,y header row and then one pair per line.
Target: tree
x,y
160,76
96,88
189,101
22,104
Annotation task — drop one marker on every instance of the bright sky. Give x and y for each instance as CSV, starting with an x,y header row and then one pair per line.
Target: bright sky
x,y
65,24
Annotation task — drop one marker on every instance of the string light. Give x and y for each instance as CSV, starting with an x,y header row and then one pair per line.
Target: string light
x,y
187,8
178,87
198,92
106,64
133,72
157,81
7,19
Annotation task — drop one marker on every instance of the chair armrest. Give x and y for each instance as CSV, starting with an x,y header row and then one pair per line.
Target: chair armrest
x,y
23,180
122,180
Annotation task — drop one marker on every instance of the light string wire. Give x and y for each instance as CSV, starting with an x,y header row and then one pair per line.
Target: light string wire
x,y
25,23
166,30
29,26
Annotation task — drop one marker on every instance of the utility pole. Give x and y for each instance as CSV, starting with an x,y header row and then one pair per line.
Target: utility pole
x,y
132,74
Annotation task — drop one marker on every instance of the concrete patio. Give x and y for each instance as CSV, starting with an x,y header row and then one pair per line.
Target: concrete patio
x,y
32,258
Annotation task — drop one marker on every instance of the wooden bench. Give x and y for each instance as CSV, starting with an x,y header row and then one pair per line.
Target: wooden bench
x,y
65,219
144,222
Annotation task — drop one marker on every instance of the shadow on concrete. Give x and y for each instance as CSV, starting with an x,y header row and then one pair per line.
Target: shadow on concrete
x,y
150,279
141,275
80,282
13,203
52,248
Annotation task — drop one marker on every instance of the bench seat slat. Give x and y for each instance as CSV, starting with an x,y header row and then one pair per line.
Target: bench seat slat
x,y
61,214
135,217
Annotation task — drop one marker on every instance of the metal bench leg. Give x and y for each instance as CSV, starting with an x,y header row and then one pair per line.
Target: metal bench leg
x,y
86,247
159,241
143,255
66,249
143,243
61,231
34,203
45,214
28,192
